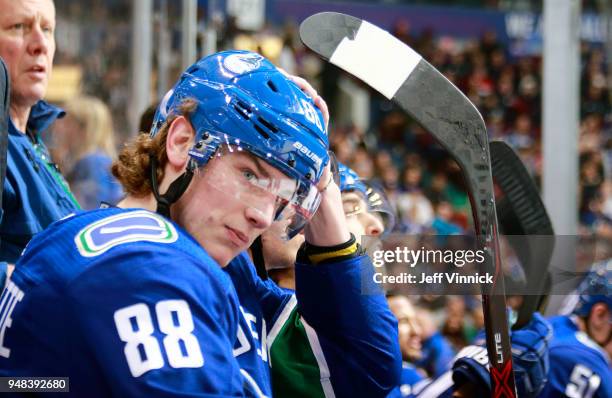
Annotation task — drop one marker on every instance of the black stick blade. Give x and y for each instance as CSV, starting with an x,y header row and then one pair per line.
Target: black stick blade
x,y
316,35
524,219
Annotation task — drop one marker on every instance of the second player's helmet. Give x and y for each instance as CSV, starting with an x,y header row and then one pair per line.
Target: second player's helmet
x,y
375,198
243,101
349,180
595,288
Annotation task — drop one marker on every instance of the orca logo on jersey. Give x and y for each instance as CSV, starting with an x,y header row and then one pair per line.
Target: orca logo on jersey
x,y
141,225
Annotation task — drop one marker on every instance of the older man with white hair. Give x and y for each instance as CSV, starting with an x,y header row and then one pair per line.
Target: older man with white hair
x,y
35,194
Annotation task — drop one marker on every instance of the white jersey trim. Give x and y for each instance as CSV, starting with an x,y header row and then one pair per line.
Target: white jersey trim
x,y
253,384
438,386
280,322
328,390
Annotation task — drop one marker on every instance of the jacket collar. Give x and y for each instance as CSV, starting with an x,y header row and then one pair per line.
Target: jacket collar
x,y
42,115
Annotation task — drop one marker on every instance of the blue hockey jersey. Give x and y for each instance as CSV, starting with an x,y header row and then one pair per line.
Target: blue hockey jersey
x,y
437,355
409,381
579,367
35,194
351,334
125,304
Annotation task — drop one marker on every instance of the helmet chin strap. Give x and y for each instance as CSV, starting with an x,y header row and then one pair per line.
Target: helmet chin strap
x,y
175,190
258,258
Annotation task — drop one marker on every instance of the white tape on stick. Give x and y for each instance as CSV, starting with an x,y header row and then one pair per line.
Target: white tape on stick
x,y
382,63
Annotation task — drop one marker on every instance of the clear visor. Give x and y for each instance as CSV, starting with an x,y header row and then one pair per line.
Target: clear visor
x,y
260,191
378,203
374,204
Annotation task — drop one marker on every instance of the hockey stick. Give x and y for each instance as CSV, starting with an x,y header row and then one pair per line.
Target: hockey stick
x,y
402,75
523,218
4,106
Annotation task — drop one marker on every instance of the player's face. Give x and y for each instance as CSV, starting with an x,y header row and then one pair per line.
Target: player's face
x,y
359,221
608,348
27,45
279,253
408,327
223,210
600,324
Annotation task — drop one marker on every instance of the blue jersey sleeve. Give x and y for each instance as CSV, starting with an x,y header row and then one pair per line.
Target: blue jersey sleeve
x,y
438,355
254,292
157,328
356,330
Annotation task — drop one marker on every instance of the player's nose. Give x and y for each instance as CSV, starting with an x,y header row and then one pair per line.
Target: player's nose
x,y
261,216
373,227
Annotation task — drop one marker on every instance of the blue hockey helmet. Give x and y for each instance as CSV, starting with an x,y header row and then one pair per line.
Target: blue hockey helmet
x,y
375,198
595,288
243,101
349,180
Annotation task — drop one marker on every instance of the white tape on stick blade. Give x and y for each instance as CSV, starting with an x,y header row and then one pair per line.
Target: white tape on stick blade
x,y
382,63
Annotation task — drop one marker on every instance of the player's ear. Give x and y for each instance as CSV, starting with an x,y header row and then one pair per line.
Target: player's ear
x,y
179,141
600,315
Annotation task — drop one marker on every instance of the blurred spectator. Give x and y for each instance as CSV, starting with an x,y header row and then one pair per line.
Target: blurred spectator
x,y
606,194
362,164
591,134
287,57
456,327
414,209
146,118
442,223
437,189
84,146
382,160
389,179
521,136
591,178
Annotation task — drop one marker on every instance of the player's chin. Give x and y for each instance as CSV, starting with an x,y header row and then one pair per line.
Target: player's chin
x,y
222,253
414,355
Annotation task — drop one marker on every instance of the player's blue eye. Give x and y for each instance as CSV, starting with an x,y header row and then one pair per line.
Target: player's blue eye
x,y
249,175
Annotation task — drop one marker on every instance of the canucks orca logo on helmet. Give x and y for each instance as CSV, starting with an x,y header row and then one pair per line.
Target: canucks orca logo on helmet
x,y
242,63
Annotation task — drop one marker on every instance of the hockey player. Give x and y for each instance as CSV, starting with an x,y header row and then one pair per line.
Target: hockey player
x,y
311,359
367,212
410,343
362,355
329,264
127,303
580,366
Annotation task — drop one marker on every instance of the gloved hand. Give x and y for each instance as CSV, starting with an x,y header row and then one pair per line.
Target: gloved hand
x,y
529,356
